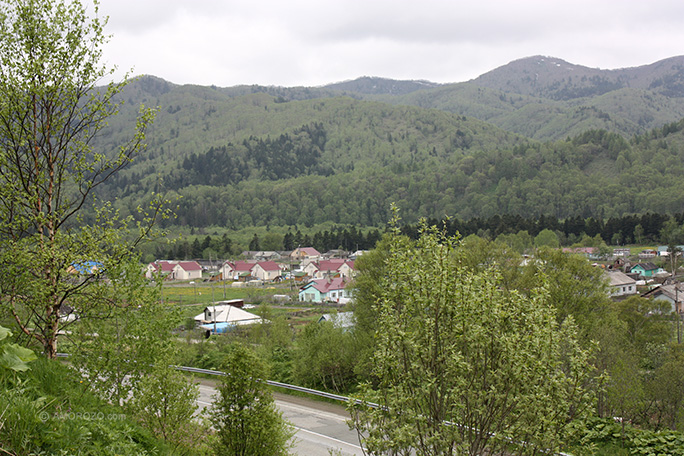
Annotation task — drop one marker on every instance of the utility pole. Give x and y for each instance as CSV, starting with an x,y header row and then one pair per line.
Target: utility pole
x,y
678,314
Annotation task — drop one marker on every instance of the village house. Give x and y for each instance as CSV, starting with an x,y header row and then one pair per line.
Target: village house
x,y
620,284
268,271
226,313
622,252
261,255
672,294
342,320
325,290
303,253
647,253
238,270
647,270
334,267
223,318
174,270
245,271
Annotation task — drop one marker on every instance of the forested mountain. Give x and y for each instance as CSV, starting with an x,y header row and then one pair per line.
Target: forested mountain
x,y
252,155
548,98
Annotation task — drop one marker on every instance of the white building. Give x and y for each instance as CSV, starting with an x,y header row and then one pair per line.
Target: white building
x,y
620,284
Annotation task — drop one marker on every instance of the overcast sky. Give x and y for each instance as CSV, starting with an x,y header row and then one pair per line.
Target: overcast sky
x,y
315,42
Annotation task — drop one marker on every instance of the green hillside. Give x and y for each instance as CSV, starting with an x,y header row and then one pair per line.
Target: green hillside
x,y
240,158
548,99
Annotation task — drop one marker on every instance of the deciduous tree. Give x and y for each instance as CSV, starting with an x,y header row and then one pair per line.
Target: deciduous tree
x,y
51,109
464,366
244,414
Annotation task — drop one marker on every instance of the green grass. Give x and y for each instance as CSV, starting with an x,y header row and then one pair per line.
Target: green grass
x,y
205,293
50,411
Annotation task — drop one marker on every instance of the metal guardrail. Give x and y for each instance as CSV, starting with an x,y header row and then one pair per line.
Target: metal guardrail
x,y
314,392
301,389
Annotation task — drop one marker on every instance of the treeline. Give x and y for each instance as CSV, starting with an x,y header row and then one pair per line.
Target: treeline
x,y
346,238
629,229
642,229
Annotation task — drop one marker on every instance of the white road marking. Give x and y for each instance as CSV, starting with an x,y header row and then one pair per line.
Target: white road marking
x,y
329,438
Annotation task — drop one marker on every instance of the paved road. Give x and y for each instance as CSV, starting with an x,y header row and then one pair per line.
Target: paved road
x,y
321,427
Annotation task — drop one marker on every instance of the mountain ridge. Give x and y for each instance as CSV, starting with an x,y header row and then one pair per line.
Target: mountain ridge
x,y
560,98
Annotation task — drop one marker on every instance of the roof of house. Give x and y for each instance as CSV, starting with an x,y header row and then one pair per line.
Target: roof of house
x,y
242,266
164,265
230,314
326,285
310,251
646,266
333,264
190,265
618,279
268,265
673,292
339,320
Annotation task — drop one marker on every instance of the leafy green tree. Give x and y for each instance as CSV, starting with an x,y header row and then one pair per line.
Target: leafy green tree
x,y
196,248
367,289
165,402
325,357
465,367
546,238
244,413
643,320
273,339
367,286
115,346
639,233
50,113
272,241
665,390
575,288
125,356
521,242
484,255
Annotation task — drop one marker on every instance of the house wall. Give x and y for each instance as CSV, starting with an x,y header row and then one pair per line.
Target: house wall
x,y
334,295
181,274
310,294
151,270
623,290
311,270
227,272
262,274
642,271
346,271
